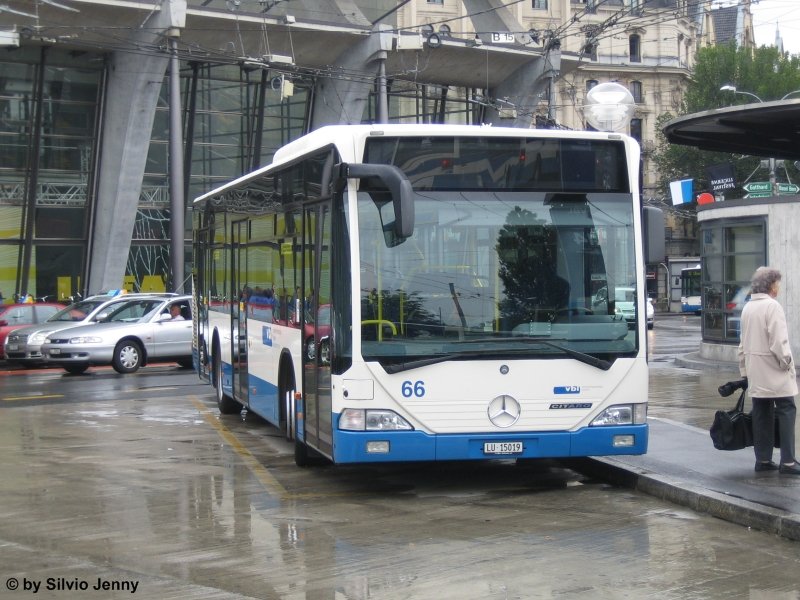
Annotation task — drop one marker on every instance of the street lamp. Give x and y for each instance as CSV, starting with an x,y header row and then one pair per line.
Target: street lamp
x,y
772,177
732,88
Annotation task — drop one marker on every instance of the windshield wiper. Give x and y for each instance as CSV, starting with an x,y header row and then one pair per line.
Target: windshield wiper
x,y
424,362
588,359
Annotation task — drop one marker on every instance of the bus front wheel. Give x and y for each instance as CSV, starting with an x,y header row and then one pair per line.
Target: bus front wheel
x,y
226,404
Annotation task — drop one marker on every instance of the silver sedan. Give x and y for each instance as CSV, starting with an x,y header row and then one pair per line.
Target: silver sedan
x,y
134,333
24,346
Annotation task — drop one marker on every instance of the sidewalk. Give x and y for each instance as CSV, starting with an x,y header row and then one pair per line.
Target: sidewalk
x,y
682,466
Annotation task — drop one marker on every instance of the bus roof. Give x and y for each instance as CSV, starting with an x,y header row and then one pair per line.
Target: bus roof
x,y
349,140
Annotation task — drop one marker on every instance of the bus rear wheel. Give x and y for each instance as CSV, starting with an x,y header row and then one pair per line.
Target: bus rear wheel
x,y
225,403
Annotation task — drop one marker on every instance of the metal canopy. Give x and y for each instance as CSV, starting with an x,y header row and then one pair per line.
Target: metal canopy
x,y
770,129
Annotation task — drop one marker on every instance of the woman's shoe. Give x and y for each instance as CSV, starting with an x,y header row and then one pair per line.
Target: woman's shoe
x,y
793,469
766,466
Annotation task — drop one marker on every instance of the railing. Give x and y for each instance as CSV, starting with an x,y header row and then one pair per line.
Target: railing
x,y
75,194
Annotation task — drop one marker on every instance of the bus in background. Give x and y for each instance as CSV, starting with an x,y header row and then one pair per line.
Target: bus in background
x,y
430,292
690,290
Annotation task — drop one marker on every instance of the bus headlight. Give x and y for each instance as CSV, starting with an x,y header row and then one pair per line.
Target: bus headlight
x,y
621,414
358,419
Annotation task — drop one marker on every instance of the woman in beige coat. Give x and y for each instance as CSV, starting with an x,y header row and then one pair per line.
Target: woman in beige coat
x,y
765,358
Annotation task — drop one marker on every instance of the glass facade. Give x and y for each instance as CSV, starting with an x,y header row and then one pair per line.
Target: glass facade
x,y
48,119
234,117
731,252
233,121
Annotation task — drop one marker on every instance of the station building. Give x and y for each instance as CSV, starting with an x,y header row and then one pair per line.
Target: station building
x,y
738,236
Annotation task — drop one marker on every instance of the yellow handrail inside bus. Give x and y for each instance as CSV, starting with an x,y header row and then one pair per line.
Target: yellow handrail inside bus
x,y
380,322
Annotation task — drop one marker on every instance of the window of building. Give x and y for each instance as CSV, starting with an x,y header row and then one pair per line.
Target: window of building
x,y
589,4
590,83
541,4
731,251
636,91
635,48
636,130
435,1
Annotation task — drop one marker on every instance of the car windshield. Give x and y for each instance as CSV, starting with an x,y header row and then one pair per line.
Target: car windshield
x,y
133,311
76,312
625,294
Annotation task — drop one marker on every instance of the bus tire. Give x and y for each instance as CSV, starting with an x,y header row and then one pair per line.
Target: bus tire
x,y
301,456
226,404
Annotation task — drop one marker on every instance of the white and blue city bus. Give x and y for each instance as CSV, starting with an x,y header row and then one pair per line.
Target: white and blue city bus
x,y
691,284
430,292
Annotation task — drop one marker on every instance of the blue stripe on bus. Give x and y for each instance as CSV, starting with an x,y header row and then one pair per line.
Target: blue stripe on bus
x,y
350,446
262,395
263,399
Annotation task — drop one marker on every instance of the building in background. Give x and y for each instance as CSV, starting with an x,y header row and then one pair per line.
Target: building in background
x,y
87,178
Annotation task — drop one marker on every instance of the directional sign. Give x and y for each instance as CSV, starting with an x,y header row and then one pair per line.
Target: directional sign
x,y
788,188
758,186
758,195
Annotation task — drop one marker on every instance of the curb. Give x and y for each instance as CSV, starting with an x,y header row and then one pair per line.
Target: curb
x,y
694,361
717,504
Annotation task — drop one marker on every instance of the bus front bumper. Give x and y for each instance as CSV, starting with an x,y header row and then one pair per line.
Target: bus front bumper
x,y
395,446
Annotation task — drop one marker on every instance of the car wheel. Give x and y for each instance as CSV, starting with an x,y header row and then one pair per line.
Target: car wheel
x,y
127,357
325,352
76,369
185,363
311,349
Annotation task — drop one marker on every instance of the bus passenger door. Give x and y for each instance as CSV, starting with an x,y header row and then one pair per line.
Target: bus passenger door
x,y
239,311
317,370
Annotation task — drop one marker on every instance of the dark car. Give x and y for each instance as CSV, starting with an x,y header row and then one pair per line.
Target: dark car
x,y
17,316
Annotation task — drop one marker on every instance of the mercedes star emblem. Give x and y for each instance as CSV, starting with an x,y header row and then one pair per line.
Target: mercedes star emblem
x,y
504,411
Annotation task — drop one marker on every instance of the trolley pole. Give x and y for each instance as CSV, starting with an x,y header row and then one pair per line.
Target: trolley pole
x,y
177,202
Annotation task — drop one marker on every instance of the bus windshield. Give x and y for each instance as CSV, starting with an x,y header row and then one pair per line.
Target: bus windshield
x,y
489,273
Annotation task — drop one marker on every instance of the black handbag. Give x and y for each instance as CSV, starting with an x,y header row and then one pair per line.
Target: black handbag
x,y
732,429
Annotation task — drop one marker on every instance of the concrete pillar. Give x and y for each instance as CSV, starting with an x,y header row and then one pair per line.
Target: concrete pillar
x,y
517,97
132,90
342,100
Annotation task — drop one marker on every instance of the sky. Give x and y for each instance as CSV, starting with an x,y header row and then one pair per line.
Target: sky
x,y
784,13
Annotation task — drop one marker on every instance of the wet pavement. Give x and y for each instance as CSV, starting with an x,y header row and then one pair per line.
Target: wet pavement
x,y
137,485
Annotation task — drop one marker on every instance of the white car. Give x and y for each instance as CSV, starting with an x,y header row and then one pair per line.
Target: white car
x,y
625,305
134,333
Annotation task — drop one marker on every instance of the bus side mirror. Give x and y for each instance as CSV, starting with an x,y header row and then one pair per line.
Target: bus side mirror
x,y
653,233
399,187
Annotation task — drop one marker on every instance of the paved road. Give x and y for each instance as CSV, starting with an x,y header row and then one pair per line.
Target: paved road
x,y
137,479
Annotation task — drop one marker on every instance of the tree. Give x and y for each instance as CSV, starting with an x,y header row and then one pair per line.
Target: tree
x,y
764,72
